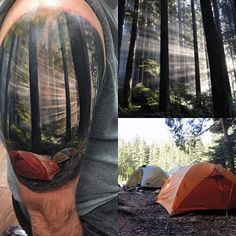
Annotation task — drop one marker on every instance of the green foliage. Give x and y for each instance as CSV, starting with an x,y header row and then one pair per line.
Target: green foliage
x,y
128,13
145,98
20,138
186,134
186,148
185,105
23,112
151,67
142,95
146,101
181,62
196,149
217,152
136,153
223,151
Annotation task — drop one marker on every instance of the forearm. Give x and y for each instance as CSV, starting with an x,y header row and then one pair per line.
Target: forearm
x,y
53,212
59,223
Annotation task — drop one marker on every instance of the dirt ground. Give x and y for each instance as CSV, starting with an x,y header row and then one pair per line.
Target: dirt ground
x,y
140,215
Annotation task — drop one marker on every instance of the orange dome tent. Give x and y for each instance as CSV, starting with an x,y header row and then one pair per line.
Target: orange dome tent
x,y
199,187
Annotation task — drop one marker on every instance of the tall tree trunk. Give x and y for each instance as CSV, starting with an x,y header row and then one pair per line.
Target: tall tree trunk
x,y
51,74
180,42
234,10
34,90
14,98
129,66
234,70
196,57
7,96
231,41
139,45
185,59
66,80
141,73
2,56
219,30
221,93
207,65
164,103
146,75
229,151
81,66
121,15
137,60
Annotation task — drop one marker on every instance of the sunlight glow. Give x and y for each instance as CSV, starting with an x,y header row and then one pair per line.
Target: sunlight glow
x,y
52,3
151,130
154,130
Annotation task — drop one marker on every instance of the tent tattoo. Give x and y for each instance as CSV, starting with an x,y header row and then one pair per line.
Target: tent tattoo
x,y
51,66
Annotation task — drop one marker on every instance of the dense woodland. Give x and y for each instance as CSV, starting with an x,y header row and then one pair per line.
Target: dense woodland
x,y
186,146
46,92
177,58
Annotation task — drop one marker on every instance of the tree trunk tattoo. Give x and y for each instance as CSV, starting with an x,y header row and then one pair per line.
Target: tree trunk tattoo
x,y
51,92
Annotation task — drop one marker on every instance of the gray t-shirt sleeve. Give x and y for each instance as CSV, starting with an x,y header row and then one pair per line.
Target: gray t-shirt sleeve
x,y
98,181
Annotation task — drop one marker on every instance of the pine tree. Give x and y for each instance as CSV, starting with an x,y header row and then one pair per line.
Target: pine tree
x,y
221,93
164,104
129,66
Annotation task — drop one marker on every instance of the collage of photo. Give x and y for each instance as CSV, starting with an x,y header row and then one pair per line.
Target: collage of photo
x,y
117,117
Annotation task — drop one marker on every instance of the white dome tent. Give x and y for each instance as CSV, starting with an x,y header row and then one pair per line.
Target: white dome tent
x,y
147,177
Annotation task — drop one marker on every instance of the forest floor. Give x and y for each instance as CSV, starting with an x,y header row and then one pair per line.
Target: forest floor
x,y
140,215
138,113
177,111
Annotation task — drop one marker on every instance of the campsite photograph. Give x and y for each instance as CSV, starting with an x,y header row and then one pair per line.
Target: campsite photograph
x,y
177,176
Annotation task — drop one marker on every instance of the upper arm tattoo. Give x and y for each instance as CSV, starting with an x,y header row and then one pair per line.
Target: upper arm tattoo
x,y
51,68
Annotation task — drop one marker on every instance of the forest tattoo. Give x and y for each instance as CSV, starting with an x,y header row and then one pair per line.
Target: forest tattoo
x,y
51,68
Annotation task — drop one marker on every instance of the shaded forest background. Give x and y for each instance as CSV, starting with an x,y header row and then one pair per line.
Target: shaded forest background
x,y
45,103
177,58
186,146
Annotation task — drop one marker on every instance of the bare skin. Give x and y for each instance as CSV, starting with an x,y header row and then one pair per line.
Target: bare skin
x,y
53,213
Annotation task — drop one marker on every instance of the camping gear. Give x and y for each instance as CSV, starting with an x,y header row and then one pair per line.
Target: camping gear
x,y
147,177
202,186
33,166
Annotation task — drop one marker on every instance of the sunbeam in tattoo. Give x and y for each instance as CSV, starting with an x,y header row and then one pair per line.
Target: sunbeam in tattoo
x,y
51,67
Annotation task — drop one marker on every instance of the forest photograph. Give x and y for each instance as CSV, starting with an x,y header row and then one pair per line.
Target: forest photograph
x,y
177,58
178,167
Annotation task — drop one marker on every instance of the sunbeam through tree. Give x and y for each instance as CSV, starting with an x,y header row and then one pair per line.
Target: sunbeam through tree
x,y
177,58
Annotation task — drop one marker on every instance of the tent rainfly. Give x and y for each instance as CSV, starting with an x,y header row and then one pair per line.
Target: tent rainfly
x,y
202,186
147,177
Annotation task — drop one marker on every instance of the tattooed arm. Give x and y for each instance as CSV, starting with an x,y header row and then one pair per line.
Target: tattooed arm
x,y
52,63
53,212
